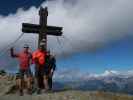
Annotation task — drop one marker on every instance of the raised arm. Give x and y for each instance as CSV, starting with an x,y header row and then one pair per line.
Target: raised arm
x,y
12,53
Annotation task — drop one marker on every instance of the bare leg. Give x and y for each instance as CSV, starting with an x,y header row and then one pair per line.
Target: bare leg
x,y
45,81
37,84
29,86
20,84
17,83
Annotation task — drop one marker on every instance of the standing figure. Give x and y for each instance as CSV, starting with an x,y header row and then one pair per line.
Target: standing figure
x,y
39,57
25,59
51,63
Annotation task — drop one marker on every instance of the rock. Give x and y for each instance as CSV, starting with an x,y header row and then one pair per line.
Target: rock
x,y
6,85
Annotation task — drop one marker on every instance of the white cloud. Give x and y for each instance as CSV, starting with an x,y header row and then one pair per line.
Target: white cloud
x,y
73,74
110,73
87,24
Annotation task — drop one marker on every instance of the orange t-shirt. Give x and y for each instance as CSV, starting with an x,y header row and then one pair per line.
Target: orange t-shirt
x,y
24,59
41,56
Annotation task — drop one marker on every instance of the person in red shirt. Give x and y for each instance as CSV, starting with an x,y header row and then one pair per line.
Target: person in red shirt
x,y
25,58
39,58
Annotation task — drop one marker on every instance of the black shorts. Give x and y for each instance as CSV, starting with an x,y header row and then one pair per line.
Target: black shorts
x,y
42,71
23,72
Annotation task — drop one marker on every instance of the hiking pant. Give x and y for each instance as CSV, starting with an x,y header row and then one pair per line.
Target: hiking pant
x,y
50,82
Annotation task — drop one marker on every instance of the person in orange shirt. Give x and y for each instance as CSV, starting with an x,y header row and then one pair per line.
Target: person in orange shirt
x,y
39,57
25,58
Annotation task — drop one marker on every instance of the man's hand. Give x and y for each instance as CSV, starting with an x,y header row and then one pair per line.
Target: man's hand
x,y
12,53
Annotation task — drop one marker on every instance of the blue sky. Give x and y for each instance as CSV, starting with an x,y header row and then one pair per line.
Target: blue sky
x,y
116,55
11,6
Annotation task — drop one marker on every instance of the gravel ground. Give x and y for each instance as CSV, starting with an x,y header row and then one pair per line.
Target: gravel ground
x,y
69,95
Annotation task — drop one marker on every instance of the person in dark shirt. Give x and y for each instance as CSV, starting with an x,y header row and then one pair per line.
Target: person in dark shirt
x,y
51,63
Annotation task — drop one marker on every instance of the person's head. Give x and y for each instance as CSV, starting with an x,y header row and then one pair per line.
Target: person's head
x,y
53,55
26,47
41,45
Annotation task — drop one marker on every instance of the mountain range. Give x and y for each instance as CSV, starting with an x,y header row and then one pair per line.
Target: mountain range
x,y
110,81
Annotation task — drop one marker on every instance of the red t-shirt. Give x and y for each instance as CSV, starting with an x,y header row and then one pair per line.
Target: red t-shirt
x,y
24,60
40,56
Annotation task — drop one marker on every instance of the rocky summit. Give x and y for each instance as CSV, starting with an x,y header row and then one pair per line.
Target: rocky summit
x,y
7,91
69,95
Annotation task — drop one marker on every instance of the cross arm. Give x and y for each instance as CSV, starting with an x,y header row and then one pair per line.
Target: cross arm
x,y
35,28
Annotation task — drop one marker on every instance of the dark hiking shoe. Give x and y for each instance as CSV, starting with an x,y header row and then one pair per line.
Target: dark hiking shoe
x,y
29,91
21,93
38,91
51,91
34,90
47,91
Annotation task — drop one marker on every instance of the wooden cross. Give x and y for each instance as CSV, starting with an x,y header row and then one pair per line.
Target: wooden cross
x,y
42,29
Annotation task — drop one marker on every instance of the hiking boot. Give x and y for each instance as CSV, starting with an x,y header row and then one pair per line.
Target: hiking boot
x,y
21,93
47,91
50,91
29,91
38,91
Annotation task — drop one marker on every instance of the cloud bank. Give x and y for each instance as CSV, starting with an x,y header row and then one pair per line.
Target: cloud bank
x,y
77,75
87,25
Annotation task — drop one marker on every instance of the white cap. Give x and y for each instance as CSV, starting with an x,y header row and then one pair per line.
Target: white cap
x,y
43,42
